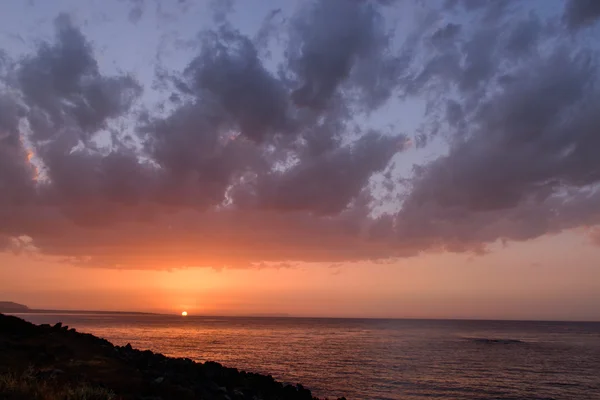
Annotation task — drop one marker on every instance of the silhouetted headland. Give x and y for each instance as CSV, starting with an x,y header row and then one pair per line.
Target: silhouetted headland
x,y
55,356
11,307
16,308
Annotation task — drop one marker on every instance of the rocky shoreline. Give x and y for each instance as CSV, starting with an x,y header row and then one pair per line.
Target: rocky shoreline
x,y
56,355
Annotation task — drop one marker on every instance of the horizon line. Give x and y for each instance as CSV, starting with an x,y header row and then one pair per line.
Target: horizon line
x,y
286,315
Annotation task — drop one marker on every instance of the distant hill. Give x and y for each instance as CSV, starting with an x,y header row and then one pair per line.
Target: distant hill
x,y
9,306
12,307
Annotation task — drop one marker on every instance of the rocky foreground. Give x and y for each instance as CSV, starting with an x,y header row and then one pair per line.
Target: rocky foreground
x,y
55,357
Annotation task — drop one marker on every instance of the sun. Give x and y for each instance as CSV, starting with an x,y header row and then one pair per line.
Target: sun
x,y
184,313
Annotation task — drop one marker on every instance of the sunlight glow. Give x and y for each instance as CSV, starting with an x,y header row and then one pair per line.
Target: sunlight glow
x,y
184,314
30,156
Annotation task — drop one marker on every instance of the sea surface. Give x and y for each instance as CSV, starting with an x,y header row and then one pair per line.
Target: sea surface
x,y
377,359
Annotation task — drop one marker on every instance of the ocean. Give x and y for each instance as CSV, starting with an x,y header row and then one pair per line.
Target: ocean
x,y
377,359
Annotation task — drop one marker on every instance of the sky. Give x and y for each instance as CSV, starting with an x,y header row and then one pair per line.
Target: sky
x,y
335,158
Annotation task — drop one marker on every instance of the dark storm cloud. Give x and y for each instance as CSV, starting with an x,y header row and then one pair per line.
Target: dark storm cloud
x,y
525,138
431,227
234,93
257,163
454,113
9,119
230,71
523,38
62,86
269,27
443,35
491,9
330,40
581,13
221,8
166,12
326,184
66,101
199,155
16,175
525,162
470,56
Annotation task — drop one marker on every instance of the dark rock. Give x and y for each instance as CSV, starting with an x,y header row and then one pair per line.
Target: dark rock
x,y
58,325
72,357
180,392
222,389
49,373
11,325
45,358
62,351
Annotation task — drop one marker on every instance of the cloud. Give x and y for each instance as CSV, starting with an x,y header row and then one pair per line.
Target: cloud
x,y
328,183
581,13
137,10
595,236
62,87
260,161
215,239
525,139
340,43
522,160
230,73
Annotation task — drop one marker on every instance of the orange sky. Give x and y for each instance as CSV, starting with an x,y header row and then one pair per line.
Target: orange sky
x,y
384,134
522,281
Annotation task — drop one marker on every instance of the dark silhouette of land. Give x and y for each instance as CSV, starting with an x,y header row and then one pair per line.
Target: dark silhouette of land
x,y
16,308
46,362
10,307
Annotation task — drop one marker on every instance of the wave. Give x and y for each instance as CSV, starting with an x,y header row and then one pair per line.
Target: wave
x,y
496,341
